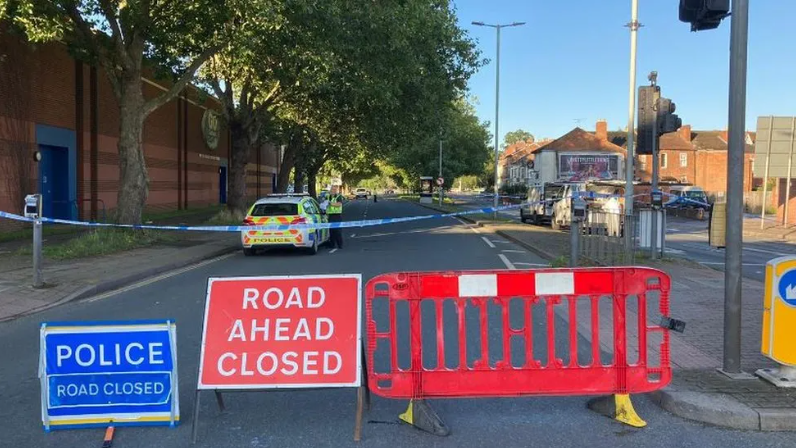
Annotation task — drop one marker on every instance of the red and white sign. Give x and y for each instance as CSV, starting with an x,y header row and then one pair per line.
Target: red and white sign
x,y
279,332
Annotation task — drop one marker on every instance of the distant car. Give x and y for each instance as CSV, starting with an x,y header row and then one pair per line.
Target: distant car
x,y
361,193
284,209
687,197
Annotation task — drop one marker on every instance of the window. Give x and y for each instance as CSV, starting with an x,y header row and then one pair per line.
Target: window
x,y
664,160
683,159
642,162
272,209
309,207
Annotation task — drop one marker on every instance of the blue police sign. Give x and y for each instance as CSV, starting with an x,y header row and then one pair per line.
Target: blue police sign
x,y
95,373
787,287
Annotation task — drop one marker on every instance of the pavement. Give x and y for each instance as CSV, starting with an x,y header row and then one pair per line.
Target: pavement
x,y
698,391
321,418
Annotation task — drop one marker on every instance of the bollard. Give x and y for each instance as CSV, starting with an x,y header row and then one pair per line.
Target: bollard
x,y
574,243
38,281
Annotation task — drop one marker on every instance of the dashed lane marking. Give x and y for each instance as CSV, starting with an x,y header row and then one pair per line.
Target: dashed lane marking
x,y
488,243
506,261
333,250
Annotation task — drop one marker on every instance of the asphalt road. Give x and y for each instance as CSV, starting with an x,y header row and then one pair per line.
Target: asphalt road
x,y
326,417
689,239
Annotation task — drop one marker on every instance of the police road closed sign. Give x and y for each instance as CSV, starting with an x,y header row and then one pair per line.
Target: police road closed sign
x,y
274,332
95,373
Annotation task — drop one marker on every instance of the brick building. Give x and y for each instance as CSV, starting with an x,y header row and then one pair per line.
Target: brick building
x,y
64,110
694,157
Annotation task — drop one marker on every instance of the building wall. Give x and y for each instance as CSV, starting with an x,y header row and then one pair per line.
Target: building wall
x,y
45,94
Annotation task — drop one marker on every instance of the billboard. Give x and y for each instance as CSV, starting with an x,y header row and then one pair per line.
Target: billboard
x,y
579,167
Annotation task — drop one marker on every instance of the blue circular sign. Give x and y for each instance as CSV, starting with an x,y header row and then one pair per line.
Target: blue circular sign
x,y
787,287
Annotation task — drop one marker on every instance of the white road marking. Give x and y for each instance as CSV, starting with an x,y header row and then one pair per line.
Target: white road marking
x,y
488,243
513,251
333,250
158,278
506,261
674,251
721,263
469,225
765,251
501,241
353,235
522,263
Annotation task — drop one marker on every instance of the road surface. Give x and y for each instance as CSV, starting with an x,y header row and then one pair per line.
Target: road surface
x,y
325,418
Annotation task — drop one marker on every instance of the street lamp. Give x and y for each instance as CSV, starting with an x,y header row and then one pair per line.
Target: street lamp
x,y
497,28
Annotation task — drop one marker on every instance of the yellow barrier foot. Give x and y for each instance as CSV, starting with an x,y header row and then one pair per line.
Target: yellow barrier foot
x,y
619,407
420,415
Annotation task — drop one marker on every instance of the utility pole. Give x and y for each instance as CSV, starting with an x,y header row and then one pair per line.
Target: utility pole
x,y
631,111
497,28
739,32
656,162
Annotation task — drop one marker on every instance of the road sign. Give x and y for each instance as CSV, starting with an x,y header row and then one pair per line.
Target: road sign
x,y
95,373
440,181
774,146
278,332
779,311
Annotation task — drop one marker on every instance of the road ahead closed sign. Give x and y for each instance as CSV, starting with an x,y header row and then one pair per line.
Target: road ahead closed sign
x,y
273,332
95,373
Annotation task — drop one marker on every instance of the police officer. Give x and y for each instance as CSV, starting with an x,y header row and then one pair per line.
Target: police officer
x,y
335,212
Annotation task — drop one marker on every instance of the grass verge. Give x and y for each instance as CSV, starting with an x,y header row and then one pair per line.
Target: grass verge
x,y
226,218
102,242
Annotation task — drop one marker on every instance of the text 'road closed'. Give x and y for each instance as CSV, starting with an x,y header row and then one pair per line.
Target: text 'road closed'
x,y
268,332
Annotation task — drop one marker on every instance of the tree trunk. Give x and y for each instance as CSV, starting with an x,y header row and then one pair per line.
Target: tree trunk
x,y
298,179
312,179
241,147
288,161
133,178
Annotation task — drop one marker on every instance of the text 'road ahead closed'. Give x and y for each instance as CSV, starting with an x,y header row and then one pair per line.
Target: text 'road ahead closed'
x,y
266,332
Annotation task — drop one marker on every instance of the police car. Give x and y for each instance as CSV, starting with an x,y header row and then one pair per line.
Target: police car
x,y
281,209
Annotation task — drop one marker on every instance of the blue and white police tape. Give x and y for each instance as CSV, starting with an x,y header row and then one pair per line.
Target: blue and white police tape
x,y
270,227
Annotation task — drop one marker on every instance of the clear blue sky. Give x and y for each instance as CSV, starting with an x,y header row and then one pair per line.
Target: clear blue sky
x,y
571,60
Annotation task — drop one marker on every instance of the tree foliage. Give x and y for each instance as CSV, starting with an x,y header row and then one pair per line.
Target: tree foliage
x,y
517,136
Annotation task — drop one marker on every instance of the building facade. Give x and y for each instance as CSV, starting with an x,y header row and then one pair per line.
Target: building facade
x,y
63,110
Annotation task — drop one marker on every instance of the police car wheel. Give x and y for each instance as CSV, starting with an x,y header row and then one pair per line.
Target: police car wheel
x,y
247,251
314,249
523,218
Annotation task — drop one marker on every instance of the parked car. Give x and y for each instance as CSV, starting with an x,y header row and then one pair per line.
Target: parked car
x,y
686,197
361,193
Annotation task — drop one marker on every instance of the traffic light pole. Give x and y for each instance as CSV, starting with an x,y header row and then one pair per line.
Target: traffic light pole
x,y
737,129
655,174
631,112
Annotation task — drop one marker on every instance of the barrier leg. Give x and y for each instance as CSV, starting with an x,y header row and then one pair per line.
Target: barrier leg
x,y
420,415
618,407
195,421
365,382
360,410
220,401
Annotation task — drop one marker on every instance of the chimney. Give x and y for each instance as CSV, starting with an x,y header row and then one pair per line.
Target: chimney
x,y
601,130
685,132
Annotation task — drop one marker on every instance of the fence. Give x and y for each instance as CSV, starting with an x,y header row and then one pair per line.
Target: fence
x,y
753,201
602,238
498,334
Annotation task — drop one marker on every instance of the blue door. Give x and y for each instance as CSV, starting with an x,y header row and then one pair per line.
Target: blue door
x,y
222,184
54,181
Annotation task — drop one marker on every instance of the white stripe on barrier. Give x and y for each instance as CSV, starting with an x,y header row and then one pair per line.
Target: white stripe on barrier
x,y
477,285
554,283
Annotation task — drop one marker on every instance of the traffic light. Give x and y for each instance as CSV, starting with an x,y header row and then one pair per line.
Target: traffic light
x,y
647,96
668,121
704,14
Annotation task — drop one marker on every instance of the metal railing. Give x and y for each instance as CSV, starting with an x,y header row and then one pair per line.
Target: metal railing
x,y
602,238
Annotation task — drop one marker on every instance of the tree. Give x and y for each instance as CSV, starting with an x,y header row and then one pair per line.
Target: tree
x,y
517,136
129,38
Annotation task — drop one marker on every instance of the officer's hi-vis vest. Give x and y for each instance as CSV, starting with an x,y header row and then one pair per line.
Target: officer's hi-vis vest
x,y
335,209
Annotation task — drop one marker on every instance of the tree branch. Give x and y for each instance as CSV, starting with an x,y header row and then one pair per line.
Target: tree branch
x,y
117,37
177,87
90,40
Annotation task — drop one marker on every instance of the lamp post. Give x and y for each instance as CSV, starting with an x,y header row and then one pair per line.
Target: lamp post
x,y
497,28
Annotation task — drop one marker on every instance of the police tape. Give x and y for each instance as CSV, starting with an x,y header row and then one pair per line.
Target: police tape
x,y
271,227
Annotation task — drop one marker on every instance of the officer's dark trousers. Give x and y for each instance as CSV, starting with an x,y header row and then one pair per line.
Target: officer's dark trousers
x,y
336,235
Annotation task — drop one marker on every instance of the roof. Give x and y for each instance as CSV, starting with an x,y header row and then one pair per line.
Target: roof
x,y
717,140
673,140
578,139
282,199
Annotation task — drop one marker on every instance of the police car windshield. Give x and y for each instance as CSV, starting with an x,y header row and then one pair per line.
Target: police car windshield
x,y
694,194
276,209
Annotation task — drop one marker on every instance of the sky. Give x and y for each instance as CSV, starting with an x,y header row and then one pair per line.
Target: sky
x,y
569,65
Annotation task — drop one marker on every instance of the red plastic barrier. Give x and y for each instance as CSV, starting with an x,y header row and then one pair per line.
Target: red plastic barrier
x,y
534,287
